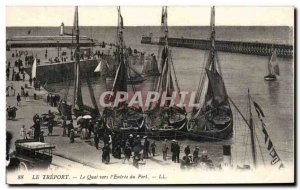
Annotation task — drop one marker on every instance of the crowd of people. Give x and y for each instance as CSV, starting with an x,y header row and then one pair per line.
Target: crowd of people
x,y
53,99
126,147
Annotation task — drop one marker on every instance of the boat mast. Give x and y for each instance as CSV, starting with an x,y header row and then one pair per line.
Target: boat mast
x,y
252,131
213,36
77,99
120,56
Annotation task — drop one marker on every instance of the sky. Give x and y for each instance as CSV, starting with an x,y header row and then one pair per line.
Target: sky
x,y
149,16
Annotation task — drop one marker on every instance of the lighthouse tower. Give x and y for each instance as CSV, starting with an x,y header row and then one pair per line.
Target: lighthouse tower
x,y
62,30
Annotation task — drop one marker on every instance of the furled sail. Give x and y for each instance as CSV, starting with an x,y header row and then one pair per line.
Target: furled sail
x,y
217,87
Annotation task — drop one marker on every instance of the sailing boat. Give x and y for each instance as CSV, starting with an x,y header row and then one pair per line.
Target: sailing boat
x,y
169,120
133,77
122,117
33,69
213,120
273,67
79,108
253,135
150,67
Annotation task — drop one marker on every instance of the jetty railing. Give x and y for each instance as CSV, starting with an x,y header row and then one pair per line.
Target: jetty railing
x,y
255,48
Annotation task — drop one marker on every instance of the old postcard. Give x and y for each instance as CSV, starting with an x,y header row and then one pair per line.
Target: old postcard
x,y
150,95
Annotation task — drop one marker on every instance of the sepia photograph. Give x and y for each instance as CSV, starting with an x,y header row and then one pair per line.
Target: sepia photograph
x,y
150,95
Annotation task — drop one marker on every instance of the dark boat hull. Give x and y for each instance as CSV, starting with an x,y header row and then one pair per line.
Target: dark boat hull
x,y
151,74
129,81
132,125
169,130
214,135
135,81
179,131
270,78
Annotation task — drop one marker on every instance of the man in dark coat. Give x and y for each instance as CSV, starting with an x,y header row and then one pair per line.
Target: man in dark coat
x,y
50,127
18,100
173,150
187,150
37,129
127,153
196,155
72,136
96,140
106,154
146,147
117,150
64,126
153,146
70,127
30,81
42,139
35,117
177,152
131,141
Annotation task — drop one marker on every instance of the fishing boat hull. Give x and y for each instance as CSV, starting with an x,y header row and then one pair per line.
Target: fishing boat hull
x,y
151,74
176,130
135,81
159,128
270,78
126,123
224,132
129,81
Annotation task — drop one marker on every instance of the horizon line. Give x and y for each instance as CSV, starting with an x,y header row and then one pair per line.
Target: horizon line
x,y
160,26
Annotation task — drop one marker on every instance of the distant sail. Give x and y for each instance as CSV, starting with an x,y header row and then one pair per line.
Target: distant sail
x,y
150,66
98,68
33,71
273,64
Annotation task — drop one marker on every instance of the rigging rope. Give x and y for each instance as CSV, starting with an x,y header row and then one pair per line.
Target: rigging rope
x,y
262,156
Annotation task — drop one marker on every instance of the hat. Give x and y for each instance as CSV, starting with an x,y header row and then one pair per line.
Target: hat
x,y
145,137
173,140
138,136
190,155
131,135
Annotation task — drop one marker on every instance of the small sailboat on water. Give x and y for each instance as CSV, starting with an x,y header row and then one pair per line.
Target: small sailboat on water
x,y
213,120
121,118
150,67
167,121
273,68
